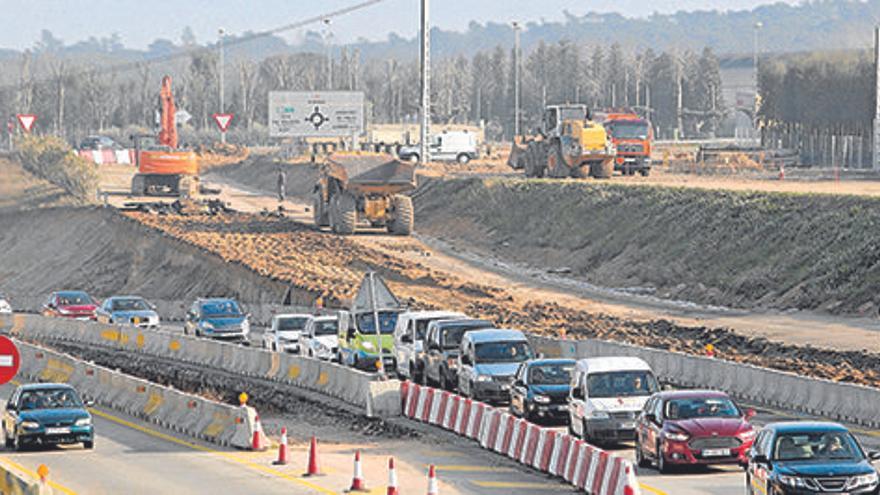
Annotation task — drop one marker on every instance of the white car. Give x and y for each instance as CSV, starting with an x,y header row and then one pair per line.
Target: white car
x,y
409,338
5,307
285,331
320,339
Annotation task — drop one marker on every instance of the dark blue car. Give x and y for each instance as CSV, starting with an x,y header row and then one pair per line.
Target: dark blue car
x,y
217,318
800,458
540,389
46,414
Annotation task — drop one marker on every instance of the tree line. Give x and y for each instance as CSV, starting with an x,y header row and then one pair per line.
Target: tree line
x,y
679,91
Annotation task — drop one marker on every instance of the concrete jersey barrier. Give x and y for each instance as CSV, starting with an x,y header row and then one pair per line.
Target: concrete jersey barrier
x,y
376,399
585,466
15,482
838,401
194,416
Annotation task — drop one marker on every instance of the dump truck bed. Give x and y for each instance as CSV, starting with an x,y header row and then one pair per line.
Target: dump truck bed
x,y
372,172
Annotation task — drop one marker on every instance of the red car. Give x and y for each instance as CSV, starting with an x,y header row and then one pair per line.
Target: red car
x,y
71,304
692,427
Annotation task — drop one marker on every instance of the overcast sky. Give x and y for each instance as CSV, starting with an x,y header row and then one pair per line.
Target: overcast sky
x,y
141,21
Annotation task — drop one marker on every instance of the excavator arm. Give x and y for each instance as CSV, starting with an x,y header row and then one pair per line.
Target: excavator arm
x,y
168,132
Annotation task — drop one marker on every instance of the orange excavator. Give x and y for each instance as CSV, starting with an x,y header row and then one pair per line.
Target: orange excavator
x,y
163,170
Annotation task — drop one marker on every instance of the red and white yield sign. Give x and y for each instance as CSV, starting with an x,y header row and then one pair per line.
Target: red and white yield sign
x,y
223,120
26,121
9,360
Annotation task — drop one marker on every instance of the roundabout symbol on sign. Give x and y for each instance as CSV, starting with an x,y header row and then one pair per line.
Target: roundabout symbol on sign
x,y
317,118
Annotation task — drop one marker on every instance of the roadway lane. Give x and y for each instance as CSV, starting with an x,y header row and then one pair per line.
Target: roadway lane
x,y
132,457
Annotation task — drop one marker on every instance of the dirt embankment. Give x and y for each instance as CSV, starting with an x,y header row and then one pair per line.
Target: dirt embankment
x,y
260,172
728,248
20,190
105,253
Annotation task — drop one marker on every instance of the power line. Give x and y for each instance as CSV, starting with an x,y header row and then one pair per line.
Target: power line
x,y
127,66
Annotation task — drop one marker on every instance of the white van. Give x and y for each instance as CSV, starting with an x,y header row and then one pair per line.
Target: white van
x,y
409,338
607,394
458,146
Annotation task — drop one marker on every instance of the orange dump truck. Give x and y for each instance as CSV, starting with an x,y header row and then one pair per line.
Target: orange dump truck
x,y
632,136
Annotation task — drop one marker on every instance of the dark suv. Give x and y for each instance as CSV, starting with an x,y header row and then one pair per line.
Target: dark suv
x,y
442,340
799,458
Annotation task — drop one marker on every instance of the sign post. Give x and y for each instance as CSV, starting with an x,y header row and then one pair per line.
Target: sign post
x,y
223,121
26,121
10,360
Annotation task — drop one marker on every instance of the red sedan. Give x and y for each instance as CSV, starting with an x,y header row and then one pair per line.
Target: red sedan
x,y
692,427
71,304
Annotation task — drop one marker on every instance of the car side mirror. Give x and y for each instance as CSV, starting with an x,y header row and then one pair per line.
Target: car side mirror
x,y
406,338
760,459
519,383
874,455
11,407
751,413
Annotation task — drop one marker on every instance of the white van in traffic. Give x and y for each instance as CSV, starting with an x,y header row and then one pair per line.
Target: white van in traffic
x,y
409,338
607,394
458,146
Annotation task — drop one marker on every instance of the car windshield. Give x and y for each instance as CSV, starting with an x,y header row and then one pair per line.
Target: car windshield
x,y
819,445
551,374
130,305
52,398
327,327
221,308
503,352
629,130
387,322
451,337
422,328
285,324
702,407
74,299
572,113
635,383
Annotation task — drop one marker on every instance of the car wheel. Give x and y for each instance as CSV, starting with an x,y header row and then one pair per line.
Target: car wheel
x,y
463,158
584,435
198,332
661,461
89,445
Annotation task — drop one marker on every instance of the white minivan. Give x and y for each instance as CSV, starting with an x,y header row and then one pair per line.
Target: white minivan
x,y
409,338
607,394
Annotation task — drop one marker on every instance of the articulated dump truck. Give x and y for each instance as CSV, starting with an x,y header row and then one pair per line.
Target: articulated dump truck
x,y
364,188
569,144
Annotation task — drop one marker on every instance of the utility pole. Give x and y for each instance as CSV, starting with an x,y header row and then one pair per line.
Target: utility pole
x,y
222,92
876,161
679,123
327,35
425,36
755,53
516,67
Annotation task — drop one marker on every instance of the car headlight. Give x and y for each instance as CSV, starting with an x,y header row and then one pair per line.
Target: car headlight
x,y
30,425
792,481
246,326
597,414
83,422
207,325
862,480
541,399
676,436
368,345
484,378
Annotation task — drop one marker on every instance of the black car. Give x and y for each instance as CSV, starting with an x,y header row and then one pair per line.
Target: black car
x,y
98,143
540,390
442,340
800,458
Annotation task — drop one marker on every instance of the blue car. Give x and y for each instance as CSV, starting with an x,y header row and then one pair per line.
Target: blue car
x,y
540,389
487,362
131,310
47,414
217,318
800,458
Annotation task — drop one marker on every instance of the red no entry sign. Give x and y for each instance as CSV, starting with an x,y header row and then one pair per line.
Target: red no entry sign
x,y
9,360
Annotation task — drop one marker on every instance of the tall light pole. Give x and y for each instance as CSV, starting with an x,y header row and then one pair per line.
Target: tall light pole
x,y
222,34
516,56
327,35
425,35
755,53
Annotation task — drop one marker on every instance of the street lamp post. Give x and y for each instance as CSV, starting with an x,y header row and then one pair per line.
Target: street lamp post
x,y
755,52
516,64
327,35
425,39
222,33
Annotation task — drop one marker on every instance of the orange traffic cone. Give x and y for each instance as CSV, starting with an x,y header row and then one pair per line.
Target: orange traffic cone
x,y
282,449
432,482
313,470
392,478
357,482
258,442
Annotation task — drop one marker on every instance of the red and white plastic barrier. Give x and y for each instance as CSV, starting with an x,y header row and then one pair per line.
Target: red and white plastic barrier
x,y
108,157
587,467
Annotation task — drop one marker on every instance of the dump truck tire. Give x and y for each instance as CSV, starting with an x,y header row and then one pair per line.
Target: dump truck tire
x,y
402,223
319,212
343,216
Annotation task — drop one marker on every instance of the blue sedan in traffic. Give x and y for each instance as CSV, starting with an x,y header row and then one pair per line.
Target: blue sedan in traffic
x,y
540,389
47,414
131,310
